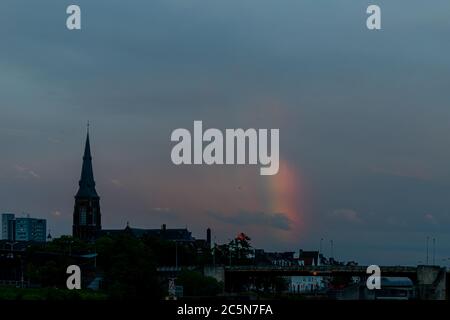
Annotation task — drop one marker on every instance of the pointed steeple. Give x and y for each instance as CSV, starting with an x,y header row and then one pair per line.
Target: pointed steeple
x,y
87,182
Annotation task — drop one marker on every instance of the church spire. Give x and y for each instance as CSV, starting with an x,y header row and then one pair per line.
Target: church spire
x,y
87,182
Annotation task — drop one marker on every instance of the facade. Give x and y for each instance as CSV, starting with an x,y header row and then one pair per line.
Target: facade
x,y
29,229
87,216
7,226
23,229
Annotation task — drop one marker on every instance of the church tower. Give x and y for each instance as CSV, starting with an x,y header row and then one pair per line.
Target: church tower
x,y
86,216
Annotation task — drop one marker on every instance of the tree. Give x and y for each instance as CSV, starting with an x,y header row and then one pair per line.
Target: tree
x,y
129,268
195,284
68,245
241,249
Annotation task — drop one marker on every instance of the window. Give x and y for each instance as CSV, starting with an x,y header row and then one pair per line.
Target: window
x,y
94,216
83,216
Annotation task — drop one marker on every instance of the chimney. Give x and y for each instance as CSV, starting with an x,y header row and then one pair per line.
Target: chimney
x,y
208,237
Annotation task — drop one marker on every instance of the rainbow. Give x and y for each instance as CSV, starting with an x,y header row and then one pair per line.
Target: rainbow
x,y
286,194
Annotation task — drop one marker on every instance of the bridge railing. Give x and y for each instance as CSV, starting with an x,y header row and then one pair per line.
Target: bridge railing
x,y
320,269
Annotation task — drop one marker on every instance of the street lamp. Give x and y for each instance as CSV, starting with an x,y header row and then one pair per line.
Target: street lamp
x,y
176,255
434,251
11,255
95,257
214,254
332,244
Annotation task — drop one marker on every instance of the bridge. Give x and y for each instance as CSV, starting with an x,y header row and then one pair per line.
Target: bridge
x,y
430,282
325,270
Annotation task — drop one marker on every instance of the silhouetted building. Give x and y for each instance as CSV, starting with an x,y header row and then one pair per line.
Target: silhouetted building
x,y
309,258
23,229
8,226
179,235
86,216
204,245
274,258
30,229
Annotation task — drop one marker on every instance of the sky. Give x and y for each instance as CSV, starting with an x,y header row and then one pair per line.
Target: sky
x,y
363,118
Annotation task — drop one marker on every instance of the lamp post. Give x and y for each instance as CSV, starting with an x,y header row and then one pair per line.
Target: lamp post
x,y
434,251
176,255
12,243
214,254
22,280
70,241
332,245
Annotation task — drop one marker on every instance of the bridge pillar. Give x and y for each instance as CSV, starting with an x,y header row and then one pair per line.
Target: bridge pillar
x,y
216,272
431,283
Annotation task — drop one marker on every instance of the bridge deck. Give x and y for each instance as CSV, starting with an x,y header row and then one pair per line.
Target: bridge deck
x,y
316,270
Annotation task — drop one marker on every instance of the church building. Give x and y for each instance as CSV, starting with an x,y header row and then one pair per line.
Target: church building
x,y
86,216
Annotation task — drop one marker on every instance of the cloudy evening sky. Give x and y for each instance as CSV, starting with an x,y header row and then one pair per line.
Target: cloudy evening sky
x,y
364,118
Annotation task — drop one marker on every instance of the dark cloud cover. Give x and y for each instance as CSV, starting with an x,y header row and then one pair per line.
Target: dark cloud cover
x,y
363,116
264,219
